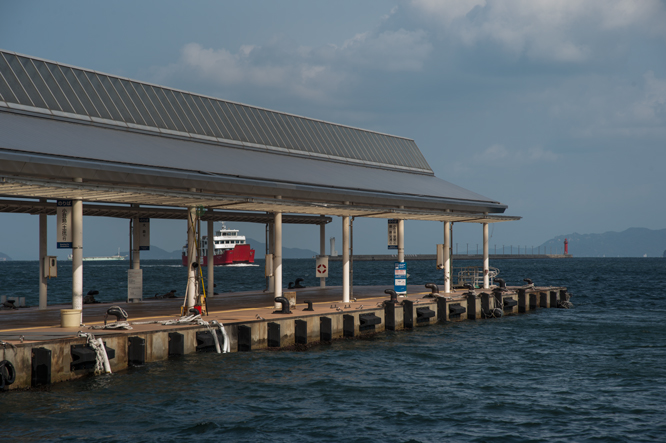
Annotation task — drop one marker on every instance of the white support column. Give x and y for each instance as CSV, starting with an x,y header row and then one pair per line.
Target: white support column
x,y
447,257
277,259
345,259
486,267
211,257
322,249
191,255
271,250
136,242
77,253
43,251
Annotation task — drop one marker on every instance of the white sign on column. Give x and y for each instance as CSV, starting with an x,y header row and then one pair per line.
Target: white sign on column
x,y
64,224
144,234
393,234
134,285
321,269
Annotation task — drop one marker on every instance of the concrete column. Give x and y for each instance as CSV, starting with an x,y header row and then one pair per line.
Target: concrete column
x,y
77,253
277,258
191,255
271,250
136,240
401,241
486,267
43,251
211,257
447,257
322,249
345,259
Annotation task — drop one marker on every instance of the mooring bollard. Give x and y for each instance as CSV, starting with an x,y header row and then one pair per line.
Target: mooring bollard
x,y
285,306
434,288
394,296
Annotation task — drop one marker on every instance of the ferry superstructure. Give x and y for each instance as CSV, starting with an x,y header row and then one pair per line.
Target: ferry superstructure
x,y
229,248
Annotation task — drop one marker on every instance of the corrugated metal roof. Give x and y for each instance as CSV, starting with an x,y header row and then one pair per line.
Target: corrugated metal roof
x,y
98,154
68,92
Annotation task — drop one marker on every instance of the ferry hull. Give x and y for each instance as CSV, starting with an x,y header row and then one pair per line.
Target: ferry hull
x,y
240,254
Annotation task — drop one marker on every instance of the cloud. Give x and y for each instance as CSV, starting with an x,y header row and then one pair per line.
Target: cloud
x,y
556,31
314,74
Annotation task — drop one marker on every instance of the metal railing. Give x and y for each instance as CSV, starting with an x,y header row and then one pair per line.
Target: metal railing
x,y
473,275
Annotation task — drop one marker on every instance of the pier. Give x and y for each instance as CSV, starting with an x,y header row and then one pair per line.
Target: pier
x,y
394,257
45,353
76,142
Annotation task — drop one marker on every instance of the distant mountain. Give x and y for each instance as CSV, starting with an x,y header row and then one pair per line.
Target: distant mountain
x,y
260,250
4,257
634,242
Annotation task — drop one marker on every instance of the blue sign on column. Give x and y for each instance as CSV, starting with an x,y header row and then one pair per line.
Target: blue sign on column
x,y
400,284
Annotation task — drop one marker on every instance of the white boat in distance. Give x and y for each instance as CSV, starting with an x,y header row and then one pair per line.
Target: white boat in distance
x,y
108,258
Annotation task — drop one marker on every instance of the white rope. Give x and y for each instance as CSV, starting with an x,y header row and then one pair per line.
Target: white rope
x,y
101,359
114,325
196,319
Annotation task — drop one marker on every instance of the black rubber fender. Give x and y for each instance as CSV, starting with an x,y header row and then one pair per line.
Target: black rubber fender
x,y
7,373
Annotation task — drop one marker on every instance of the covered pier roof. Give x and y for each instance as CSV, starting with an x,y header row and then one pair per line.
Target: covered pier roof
x,y
133,142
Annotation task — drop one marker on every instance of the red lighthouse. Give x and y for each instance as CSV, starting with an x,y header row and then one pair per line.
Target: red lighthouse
x,y
566,246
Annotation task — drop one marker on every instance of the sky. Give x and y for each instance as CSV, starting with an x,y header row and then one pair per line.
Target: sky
x,y
555,108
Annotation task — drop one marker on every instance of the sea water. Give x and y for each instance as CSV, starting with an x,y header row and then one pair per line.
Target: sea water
x,y
593,373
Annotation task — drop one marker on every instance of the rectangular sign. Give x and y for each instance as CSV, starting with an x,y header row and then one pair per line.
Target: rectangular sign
x,y
392,233
134,285
400,275
321,268
64,224
144,234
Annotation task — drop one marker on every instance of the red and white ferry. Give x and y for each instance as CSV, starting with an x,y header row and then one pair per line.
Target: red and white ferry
x,y
230,248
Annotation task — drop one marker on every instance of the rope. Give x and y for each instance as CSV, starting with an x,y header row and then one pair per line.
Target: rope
x,y
114,325
101,359
196,320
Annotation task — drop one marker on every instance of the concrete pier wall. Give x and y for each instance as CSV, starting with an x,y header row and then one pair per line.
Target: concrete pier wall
x,y
344,323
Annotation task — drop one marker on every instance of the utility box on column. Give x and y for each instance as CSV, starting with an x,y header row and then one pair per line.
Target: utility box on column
x,y
268,269
440,256
50,266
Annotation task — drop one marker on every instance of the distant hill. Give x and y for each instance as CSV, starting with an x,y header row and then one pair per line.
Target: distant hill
x,y
4,257
260,250
634,242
